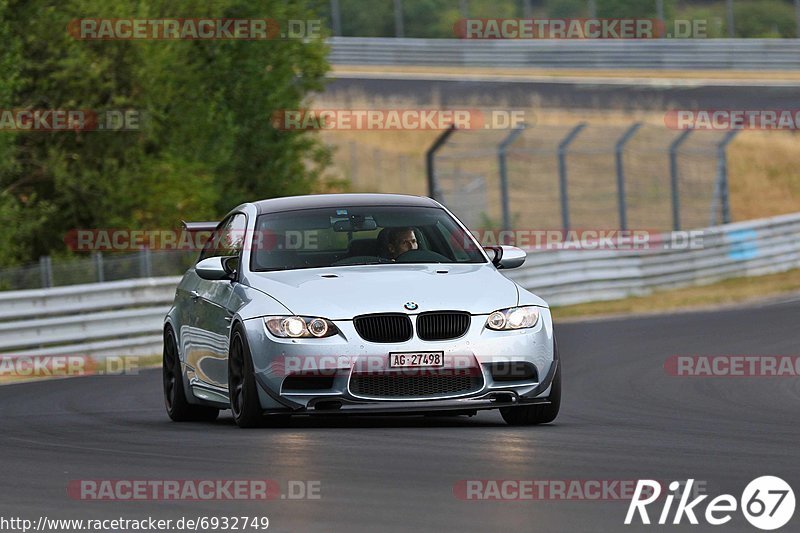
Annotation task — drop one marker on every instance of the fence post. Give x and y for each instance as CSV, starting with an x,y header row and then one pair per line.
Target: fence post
x,y
502,151
721,186
430,155
673,178
46,270
98,266
527,11
398,18
336,18
797,15
731,22
623,217
562,173
145,270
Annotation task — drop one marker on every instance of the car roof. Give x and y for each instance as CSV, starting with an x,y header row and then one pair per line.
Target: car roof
x,y
292,203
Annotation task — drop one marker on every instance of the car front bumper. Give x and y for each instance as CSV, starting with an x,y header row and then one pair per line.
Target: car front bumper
x,y
342,355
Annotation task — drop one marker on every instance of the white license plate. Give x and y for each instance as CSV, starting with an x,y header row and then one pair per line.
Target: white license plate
x,y
414,360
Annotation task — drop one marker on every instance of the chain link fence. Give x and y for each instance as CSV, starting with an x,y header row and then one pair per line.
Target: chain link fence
x,y
584,176
54,272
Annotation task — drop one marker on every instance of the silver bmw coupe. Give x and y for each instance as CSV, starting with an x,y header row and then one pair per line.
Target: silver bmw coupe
x,y
355,304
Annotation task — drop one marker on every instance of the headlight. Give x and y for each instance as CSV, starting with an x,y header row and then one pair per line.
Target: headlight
x,y
513,318
300,326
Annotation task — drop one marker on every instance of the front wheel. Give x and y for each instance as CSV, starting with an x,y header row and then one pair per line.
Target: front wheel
x,y
529,415
245,405
178,409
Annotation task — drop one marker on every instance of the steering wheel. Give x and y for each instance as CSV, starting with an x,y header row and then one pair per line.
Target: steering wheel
x,y
421,256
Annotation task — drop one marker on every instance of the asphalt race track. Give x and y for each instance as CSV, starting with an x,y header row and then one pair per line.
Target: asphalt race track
x,y
569,95
623,418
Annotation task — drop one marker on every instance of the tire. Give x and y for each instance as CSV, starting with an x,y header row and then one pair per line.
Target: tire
x,y
178,409
242,387
530,415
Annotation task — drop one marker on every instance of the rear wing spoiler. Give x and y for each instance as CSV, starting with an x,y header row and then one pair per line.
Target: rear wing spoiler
x,y
199,226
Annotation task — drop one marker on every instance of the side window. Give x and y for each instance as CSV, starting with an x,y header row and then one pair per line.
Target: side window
x,y
231,239
227,239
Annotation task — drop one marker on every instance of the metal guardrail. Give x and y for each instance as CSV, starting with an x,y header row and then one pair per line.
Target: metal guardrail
x,y
710,54
97,319
126,317
92,297
749,248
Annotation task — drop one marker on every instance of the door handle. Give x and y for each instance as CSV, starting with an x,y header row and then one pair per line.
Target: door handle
x,y
195,295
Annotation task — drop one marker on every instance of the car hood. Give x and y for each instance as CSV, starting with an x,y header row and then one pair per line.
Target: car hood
x,y
344,292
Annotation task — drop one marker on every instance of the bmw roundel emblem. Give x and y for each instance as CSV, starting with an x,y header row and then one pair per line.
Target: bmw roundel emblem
x,y
411,306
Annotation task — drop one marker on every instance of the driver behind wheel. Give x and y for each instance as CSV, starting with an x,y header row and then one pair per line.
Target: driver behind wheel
x,y
401,240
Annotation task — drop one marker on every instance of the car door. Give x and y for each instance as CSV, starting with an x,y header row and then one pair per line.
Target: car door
x,y
213,313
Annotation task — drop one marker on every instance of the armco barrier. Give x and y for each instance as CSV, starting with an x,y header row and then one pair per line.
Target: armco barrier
x,y
711,54
126,317
740,249
97,319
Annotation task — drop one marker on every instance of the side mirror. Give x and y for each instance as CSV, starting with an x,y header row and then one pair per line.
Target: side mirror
x,y
217,268
506,257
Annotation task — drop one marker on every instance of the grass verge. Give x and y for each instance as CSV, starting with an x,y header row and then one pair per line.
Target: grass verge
x,y
748,75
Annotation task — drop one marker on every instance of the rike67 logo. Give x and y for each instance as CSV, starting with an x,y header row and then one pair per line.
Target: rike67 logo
x,y
767,503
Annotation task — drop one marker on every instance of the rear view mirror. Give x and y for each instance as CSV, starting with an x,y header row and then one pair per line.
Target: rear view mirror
x,y
217,268
355,223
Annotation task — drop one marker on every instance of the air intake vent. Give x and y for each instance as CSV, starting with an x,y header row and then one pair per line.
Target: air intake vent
x,y
442,325
427,384
305,382
384,328
513,371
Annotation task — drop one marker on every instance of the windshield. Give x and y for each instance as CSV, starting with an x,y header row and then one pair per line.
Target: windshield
x,y
341,236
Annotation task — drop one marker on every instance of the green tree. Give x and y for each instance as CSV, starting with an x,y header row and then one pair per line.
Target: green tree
x,y
626,9
372,19
205,144
22,215
764,18
567,8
